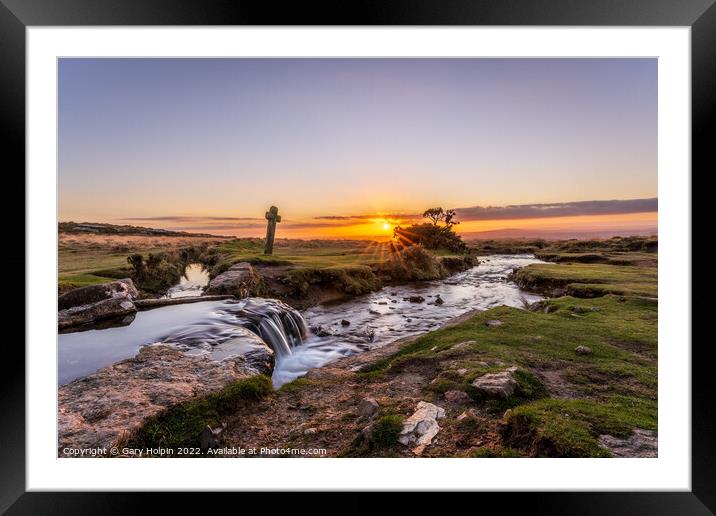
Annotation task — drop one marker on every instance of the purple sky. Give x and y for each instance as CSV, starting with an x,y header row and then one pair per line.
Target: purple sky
x,y
323,137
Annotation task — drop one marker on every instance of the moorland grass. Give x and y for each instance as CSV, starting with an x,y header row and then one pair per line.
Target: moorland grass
x,y
614,388
588,279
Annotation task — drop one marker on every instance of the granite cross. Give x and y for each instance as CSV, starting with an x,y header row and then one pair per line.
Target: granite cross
x,y
273,217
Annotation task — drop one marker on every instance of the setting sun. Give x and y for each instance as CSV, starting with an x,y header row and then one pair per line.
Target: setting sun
x,y
386,226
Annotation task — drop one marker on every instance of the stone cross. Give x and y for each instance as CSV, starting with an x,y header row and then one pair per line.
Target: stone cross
x,y
273,217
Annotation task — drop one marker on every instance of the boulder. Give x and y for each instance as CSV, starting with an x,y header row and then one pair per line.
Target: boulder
x,y
583,350
240,280
367,407
106,309
99,409
345,322
119,289
641,443
420,428
497,385
493,323
439,300
322,331
416,299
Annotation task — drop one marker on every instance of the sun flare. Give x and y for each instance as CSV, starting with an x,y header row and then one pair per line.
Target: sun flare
x,y
386,226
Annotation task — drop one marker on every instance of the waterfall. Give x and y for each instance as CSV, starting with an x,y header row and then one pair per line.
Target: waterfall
x,y
279,325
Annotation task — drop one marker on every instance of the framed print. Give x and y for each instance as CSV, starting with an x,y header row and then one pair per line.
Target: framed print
x,y
411,248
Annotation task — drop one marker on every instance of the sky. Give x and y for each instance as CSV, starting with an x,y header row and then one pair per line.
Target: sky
x,y
353,147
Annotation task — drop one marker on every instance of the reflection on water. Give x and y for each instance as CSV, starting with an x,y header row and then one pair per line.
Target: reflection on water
x,y
195,278
212,327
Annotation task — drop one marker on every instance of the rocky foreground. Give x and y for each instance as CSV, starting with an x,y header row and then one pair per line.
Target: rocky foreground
x,y
97,411
571,378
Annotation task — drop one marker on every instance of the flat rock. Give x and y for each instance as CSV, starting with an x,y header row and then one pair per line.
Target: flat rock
x,y
642,443
240,280
493,323
583,350
498,385
123,288
113,307
97,410
420,428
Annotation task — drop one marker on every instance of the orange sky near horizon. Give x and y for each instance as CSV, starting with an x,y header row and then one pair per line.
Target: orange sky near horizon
x,y
381,227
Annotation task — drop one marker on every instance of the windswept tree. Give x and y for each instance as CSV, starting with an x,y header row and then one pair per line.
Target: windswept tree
x,y
438,215
450,219
436,234
435,215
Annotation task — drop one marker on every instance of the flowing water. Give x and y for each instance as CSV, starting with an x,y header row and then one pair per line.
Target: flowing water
x,y
387,315
211,327
191,284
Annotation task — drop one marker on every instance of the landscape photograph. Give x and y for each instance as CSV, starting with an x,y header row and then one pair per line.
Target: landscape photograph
x,y
357,258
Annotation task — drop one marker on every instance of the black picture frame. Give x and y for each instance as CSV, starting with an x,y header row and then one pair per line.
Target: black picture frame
x,y
17,15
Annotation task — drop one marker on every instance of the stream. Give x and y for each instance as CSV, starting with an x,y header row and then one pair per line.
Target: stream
x,y
301,341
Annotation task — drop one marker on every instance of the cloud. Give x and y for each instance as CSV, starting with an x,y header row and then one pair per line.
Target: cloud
x,y
562,209
380,216
309,225
473,213
180,218
214,227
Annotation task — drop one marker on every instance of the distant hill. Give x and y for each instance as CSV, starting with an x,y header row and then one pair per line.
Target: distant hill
x,y
125,229
555,234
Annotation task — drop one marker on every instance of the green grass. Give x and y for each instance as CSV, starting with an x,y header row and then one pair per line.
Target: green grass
x,y
306,253
68,282
182,424
483,452
386,430
296,385
614,388
589,280
570,428
86,267
615,327
649,259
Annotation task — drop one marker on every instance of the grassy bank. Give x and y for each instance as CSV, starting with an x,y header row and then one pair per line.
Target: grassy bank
x,y
564,400
307,272
588,280
587,251
90,259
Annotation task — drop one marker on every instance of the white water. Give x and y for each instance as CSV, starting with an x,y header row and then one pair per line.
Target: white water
x,y
386,315
211,327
